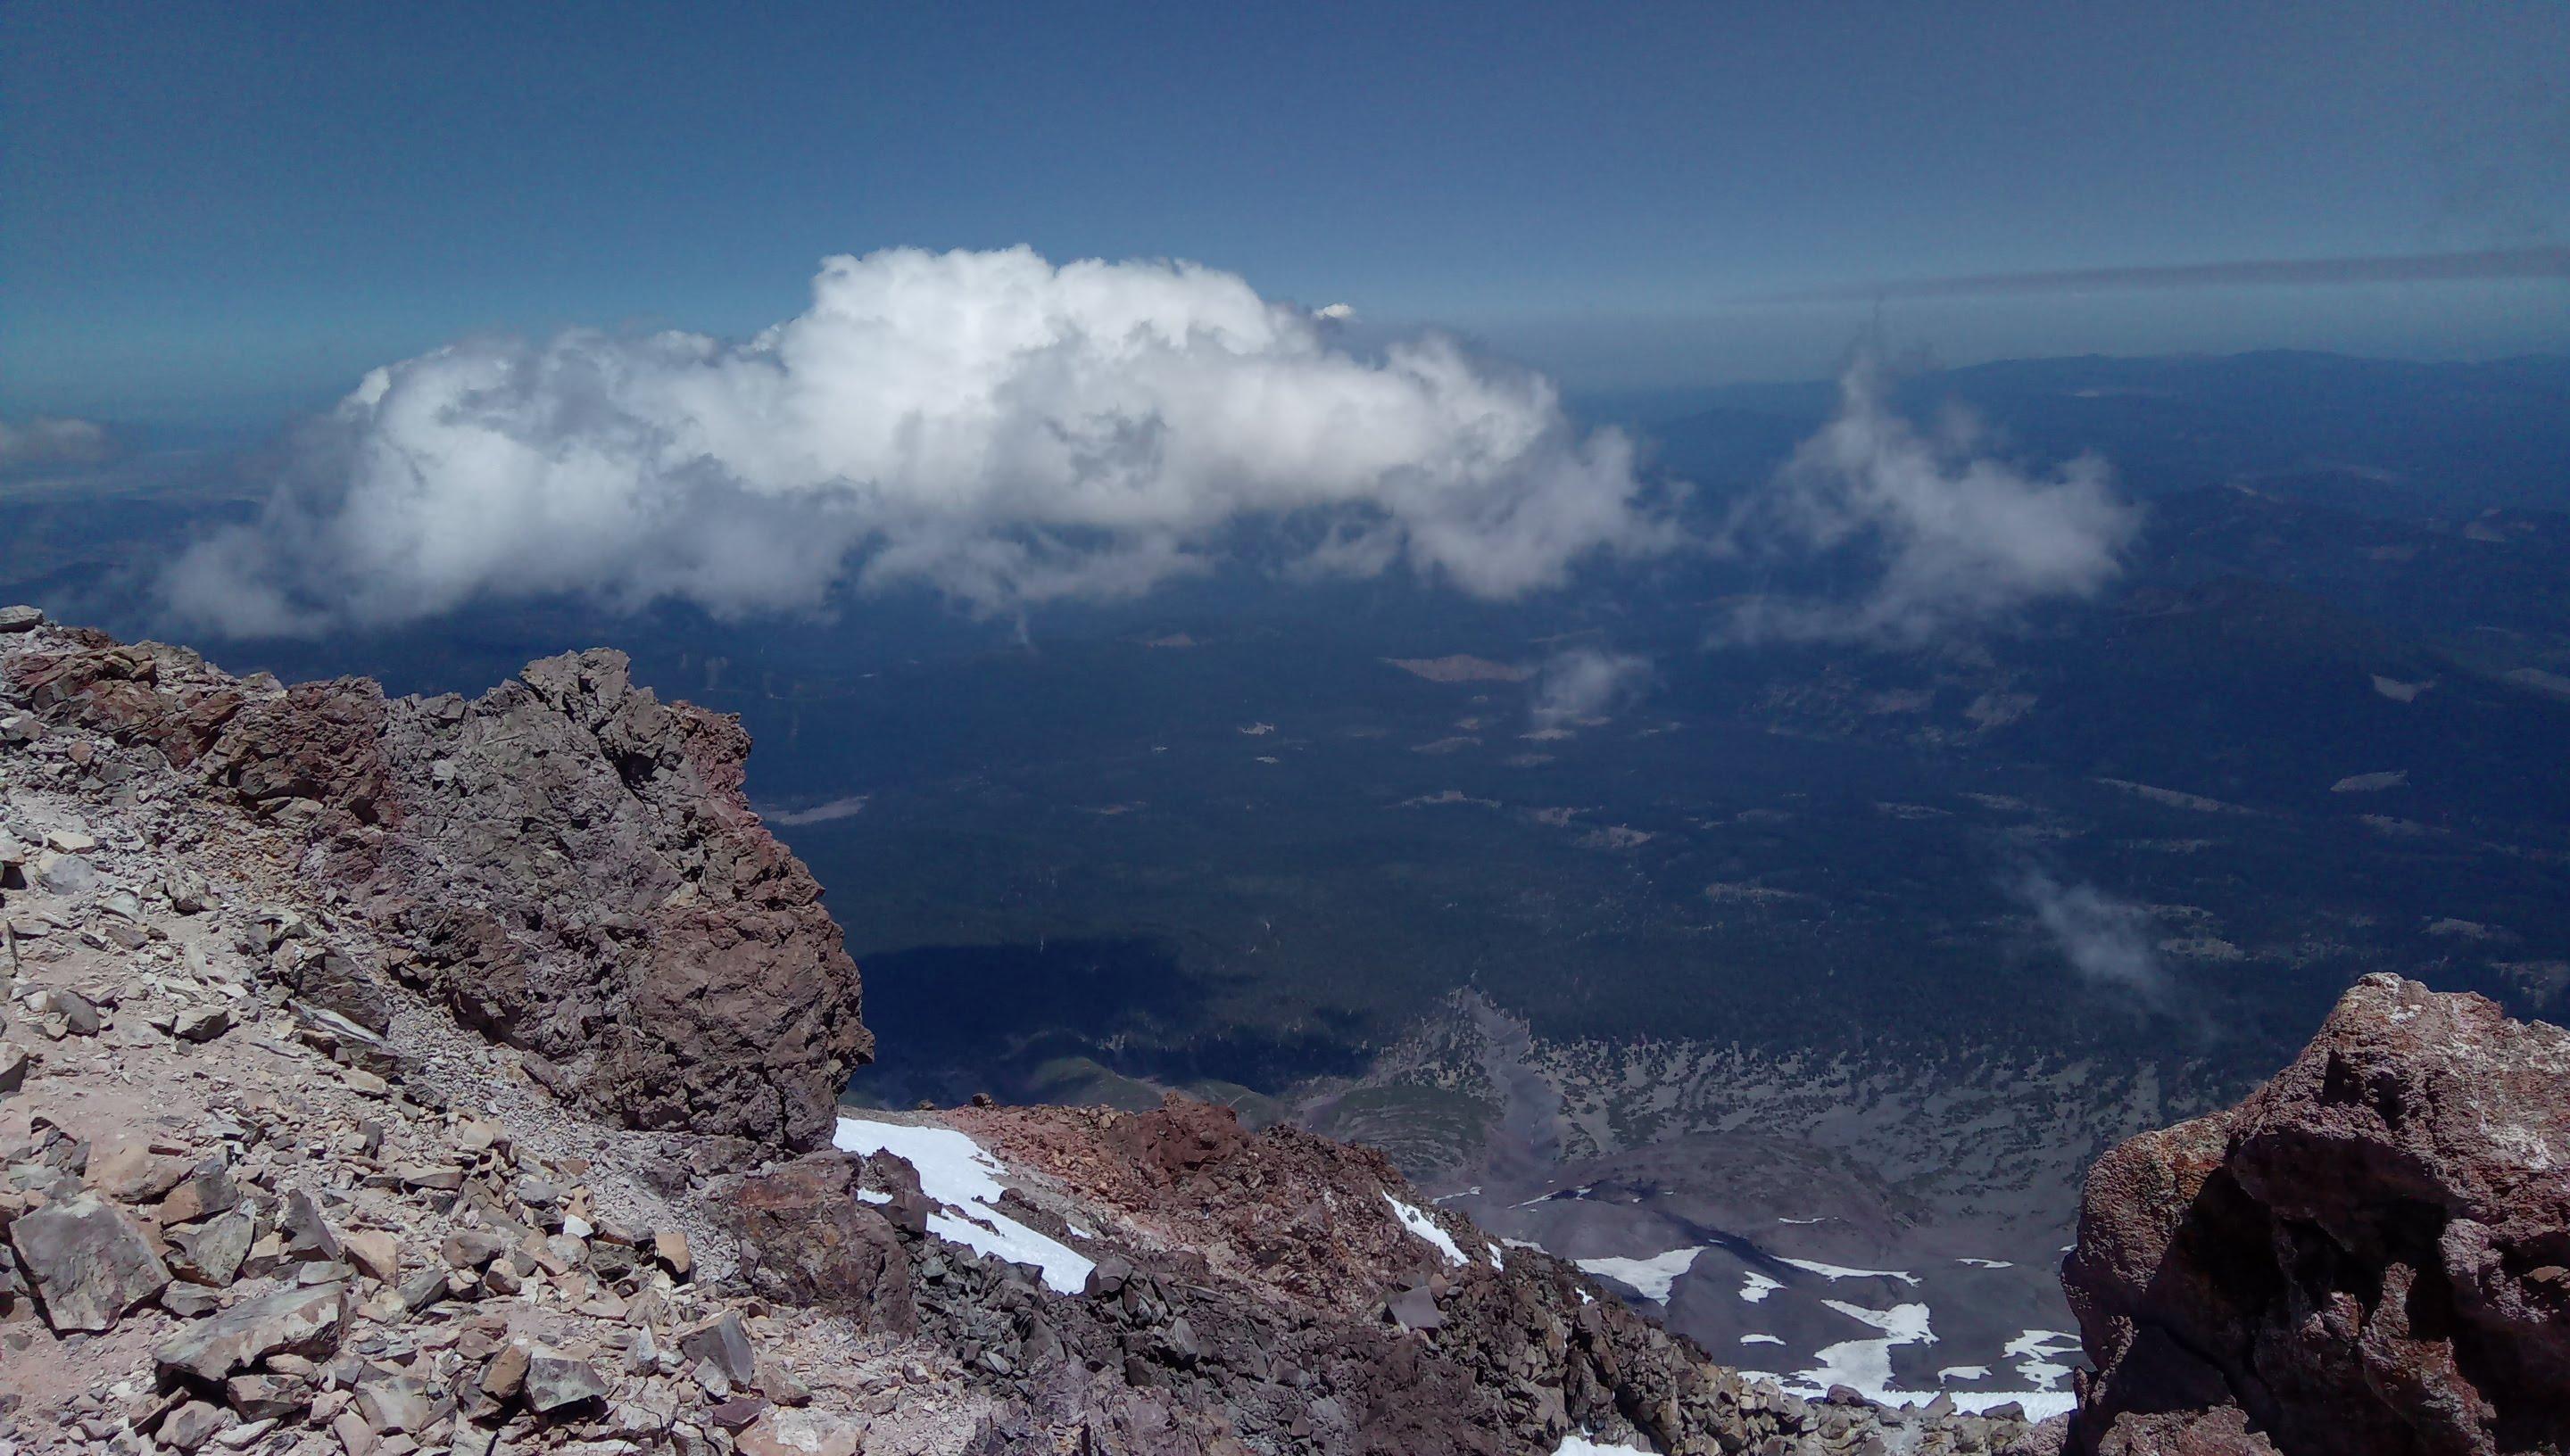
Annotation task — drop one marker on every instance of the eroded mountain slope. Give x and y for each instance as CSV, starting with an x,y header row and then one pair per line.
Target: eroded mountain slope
x,y
390,1075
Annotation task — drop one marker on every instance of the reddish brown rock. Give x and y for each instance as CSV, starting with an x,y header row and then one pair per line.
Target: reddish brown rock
x,y
1179,1138
604,895
568,862
2355,1258
2219,1431
807,1240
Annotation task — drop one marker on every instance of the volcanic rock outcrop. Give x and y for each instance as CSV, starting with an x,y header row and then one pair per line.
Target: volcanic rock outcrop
x,y
2370,1256
567,863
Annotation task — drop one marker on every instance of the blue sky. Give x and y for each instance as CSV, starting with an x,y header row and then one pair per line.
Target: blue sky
x,y
227,209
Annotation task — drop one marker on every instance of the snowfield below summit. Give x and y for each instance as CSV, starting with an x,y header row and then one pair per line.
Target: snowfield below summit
x,y
956,1173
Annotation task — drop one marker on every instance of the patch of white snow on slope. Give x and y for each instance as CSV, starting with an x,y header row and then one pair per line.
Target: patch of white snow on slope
x,y
1864,1365
1757,1287
1578,1445
956,1173
1426,1227
1842,1272
2035,1351
1650,1278
2039,1405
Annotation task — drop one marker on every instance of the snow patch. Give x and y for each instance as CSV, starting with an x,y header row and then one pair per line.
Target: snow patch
x,y
1757,1287
1986,1263
1650,1278
2036,1353
2039,1405
1760,1340
1577,1445
1864,1365
954,1172
1842,1272
1426,1227
1905,1323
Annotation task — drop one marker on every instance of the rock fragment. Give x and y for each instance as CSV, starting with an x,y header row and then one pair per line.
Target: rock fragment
x,y
201,1023
208,1189
189,1426
395,1403
376,1253
723,1343
556,1381
308,1233
66,874
304,1321
213,1253
268,1397
801,1433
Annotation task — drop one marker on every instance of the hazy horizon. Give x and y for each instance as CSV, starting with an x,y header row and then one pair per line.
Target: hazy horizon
x,y
1656,198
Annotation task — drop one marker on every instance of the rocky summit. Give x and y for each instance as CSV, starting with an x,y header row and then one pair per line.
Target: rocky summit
x,y
2369,1256
393,1075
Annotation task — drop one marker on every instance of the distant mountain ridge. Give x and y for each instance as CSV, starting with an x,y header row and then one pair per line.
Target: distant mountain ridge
x,y
2390,437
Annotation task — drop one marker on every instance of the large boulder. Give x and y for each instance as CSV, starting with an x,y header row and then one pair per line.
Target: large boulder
x,y
2365,1259
805,1239
88,1261
606,896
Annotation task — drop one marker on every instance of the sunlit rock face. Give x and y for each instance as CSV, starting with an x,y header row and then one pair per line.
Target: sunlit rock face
x,y
2366,1256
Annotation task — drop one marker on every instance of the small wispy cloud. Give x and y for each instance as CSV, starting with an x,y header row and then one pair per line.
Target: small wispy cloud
x,y
1583,683
50,442
2106,940
1953,535
2436,268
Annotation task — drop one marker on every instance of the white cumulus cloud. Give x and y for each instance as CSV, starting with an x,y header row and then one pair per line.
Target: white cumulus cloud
x,y
1957,536
983,424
